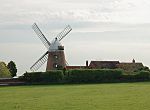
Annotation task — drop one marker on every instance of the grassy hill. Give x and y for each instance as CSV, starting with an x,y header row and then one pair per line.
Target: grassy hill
x,y
123,96
4,72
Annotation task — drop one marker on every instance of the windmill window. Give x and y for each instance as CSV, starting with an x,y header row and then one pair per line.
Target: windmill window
x,y
55,65
55,56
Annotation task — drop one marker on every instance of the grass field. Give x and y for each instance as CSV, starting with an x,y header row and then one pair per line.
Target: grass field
x,y
124,96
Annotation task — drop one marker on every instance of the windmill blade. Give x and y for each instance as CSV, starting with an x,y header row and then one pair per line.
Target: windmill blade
x,y
41,35
62,34
40,62
67,64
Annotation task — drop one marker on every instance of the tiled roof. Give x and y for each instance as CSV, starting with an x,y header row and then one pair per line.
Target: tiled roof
x,y
75,67
103,64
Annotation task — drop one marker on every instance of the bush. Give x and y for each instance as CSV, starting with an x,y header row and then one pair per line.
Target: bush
x,y
139,76
52,76
91,75
32,77
49,76
143,75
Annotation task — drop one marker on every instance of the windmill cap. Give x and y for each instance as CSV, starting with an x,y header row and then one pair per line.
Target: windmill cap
x,y
55,45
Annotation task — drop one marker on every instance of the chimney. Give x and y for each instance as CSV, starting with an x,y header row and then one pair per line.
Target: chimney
x,y
133,61
87,64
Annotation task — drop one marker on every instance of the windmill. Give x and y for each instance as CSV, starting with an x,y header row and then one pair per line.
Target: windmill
x,y
54,55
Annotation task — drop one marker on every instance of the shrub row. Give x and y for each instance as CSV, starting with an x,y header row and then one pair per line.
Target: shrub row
x,y
90,75
85,76
49,76
139,76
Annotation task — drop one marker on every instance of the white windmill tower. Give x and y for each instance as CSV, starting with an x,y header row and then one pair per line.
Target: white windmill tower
x,y
55,56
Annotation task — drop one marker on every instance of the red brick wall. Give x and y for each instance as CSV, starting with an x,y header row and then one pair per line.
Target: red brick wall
x,y
56,58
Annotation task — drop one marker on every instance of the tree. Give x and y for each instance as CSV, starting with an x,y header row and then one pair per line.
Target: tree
x,y
4,71
145,68
12,68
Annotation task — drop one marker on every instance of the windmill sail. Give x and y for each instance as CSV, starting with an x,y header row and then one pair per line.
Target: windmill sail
x,y
40,62
67,64
62,34
41,35
55,53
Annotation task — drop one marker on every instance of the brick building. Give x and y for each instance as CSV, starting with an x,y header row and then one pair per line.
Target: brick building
x,y
126,66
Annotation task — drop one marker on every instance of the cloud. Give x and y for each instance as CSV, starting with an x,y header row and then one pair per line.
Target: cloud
x,y
123,11
23,54
102,29
77,50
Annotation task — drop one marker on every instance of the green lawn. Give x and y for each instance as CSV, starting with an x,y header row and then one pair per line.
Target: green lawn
x,y
124,96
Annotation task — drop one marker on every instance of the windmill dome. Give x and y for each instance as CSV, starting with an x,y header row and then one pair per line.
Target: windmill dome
x,y
55,44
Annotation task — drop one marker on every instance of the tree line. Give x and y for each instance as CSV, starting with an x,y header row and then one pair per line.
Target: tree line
x,y
8,70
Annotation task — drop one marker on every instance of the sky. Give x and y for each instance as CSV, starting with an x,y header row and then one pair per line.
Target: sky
x,y
102,30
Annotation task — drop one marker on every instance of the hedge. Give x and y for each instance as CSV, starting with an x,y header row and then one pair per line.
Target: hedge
x,y
91,75
32,77
52,76
85,76
49,76
139,76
